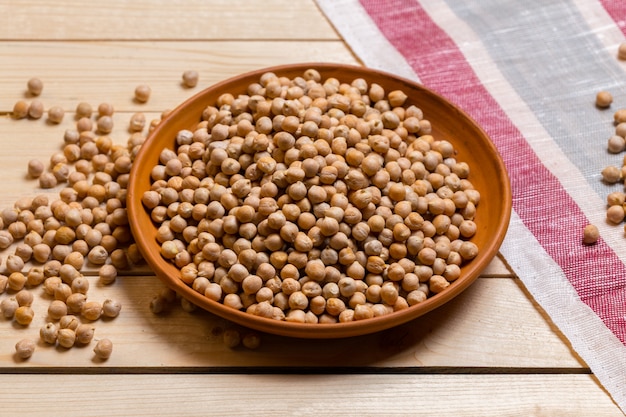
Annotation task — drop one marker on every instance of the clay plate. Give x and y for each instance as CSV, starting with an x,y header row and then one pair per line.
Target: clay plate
x,y
488,175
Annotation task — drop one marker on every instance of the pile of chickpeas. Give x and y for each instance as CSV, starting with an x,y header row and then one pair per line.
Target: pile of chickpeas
x,y
310,200
611,174
616,144
52,240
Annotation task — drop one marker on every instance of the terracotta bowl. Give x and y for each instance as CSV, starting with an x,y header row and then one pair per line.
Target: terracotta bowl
x,y
488,175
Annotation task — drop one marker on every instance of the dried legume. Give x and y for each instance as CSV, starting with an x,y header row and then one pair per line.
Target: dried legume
x,y
25,348
354,196
34,86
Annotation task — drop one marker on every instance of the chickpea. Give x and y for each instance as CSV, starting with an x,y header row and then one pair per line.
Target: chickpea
x,y
62,291
16,281
69,322
615,214
48,333
616,144
34,86
603,99
36,109
107,274
103,349
66,337
20,109
190,78
104,124
142,93
24,298
9,306
25,348
35,168
84,334
92,310
24,315
57,309
83,109
75,302
314,194
590,234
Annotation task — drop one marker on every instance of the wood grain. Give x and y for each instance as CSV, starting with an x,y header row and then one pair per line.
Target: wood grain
x,y
492,351
305,395
96,72
163,20
478,329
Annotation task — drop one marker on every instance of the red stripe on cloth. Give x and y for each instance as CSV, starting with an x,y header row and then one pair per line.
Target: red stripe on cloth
x,y
617,10
539,199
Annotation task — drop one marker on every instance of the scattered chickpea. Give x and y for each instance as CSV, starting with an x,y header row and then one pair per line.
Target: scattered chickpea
x,y
20,109
111,308
62,291
36,109
84,333
142,93
14,264
24,315
4,280
75,302
590,234
105,124
48,333
611,174
69,322
615,214
616,144
16,281
158,304
137,122
621,51
92,310
604,99
83,109
103,349
232,338
66,337
24,298
57,309
619,116
190,78
34,86
47,180
25,348
251,340
105,109
9,306
107,274
56,114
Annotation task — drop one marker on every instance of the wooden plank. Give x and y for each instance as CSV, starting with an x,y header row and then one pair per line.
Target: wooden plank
x,y
162,19
306,395
498,268
96,72
492,324
432,340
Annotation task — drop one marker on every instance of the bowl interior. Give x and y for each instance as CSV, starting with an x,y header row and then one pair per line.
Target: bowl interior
x,y
488,175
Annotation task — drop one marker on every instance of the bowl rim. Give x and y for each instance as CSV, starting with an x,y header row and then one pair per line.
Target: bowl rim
x,y
163,269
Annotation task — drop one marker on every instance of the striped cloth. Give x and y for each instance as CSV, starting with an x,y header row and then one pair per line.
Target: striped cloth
x,y
528,73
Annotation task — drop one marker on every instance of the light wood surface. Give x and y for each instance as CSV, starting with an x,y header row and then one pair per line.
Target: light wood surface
x,y
491,352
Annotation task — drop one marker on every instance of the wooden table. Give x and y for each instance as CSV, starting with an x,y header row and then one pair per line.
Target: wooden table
x,y
490,352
